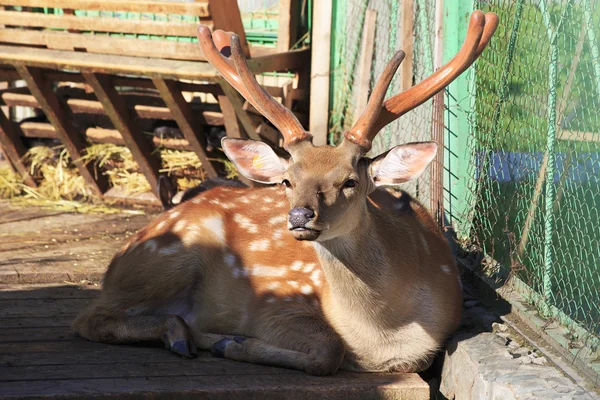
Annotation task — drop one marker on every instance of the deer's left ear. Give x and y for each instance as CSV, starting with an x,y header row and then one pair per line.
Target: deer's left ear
x,y
402,163
255,160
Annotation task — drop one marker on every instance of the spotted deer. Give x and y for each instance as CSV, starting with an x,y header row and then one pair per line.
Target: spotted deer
x,y
324,270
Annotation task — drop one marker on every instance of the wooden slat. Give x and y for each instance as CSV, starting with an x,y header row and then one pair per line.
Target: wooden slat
x,y
78,106
115,108
226,16
100,24
42,91
139,66
238,106
288,24
99,135
14,148
190,127
197,8
101,44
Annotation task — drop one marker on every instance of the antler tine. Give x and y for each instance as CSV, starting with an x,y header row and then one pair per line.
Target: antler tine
x,y
361,133
238,74
279,115
481,28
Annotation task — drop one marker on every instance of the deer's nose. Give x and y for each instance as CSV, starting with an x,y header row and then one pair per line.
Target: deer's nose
x,y
300,216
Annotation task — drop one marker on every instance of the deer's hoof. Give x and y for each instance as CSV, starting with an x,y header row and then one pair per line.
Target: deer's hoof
x,y
218,349
184,348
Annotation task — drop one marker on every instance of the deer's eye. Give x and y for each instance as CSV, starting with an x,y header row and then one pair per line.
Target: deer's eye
x,y
286,183
350,183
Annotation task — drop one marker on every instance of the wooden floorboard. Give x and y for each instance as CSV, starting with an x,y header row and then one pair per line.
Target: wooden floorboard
x,y
40,357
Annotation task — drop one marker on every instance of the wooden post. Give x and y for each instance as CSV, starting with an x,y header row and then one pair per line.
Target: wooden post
x,y
288,24
14,149
365,62
437,121
320,70
117,111
60,118
182,114
408,24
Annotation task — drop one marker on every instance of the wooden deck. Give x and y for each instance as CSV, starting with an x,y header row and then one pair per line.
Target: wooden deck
x,y
50,263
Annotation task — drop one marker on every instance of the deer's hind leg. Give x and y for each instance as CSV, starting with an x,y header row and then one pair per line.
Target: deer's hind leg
x,y
109,325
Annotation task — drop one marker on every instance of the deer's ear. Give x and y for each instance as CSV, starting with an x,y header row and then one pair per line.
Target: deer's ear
x,y
255,160
402,163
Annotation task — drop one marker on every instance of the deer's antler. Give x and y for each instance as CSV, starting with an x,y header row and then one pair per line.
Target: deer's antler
x,y
481,28
217,47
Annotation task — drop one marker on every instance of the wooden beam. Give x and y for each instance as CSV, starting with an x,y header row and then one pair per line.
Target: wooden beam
x,y
365,62
406,69
320,70
115,108
61,120
14,149
76,23
198,8
288,24
226,16
190,127
238,106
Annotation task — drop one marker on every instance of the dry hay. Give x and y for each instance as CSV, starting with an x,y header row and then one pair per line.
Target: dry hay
x,y
60,183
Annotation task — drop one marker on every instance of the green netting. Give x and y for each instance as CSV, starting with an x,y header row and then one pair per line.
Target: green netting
x,y
522,160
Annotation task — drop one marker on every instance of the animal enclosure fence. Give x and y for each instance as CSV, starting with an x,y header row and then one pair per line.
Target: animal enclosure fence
x,y
521,176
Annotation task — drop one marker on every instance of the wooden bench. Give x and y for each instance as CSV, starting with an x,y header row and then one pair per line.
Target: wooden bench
x,y
97,44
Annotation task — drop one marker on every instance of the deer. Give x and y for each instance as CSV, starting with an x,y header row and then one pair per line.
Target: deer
x,y
320,269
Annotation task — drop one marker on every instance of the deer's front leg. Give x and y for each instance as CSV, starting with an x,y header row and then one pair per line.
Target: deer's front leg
x,y
308,345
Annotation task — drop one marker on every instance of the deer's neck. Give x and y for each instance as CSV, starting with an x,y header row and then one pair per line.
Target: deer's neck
x,y
356,266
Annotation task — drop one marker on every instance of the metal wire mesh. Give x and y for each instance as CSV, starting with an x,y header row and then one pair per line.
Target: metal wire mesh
x,y
524,188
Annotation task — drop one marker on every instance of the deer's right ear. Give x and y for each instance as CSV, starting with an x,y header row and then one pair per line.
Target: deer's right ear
x,y
255,160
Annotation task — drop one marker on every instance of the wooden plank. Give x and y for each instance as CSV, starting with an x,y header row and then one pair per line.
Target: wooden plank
x,y
579,136
280,384
100,135
57,291
238,106
319,73
190,127
14,148
226,16
35,322
197,8
101,44
365,62
42,91
117,111
406,69
139,66
100,24
94,107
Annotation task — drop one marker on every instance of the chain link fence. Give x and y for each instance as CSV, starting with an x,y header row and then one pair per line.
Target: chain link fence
x,y
522,140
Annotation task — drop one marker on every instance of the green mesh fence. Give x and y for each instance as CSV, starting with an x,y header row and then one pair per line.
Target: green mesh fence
x,y
522,141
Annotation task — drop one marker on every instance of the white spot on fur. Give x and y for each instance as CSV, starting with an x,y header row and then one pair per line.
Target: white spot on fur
x,y
227,206
306,289
293,284
215,225
174,214
161,225
273,285
296,266
197,200
170,250
245,223
259,245
309,267
268,200
264,270
278,234
150,245
270,300
446,269
282,204
215,202
180,225
316,277
280,219
244,200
